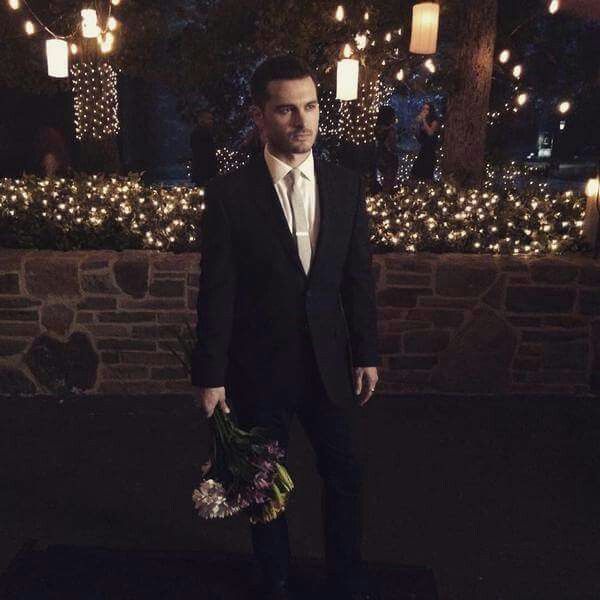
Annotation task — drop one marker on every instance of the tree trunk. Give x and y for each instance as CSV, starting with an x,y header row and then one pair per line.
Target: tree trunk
x,y
468,103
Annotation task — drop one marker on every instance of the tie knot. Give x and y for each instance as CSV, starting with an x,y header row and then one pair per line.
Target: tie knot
x,y
296,176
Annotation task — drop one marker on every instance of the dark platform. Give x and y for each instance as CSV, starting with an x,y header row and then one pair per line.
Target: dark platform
x,y
62,572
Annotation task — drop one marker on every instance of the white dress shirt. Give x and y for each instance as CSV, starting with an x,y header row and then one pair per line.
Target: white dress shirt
x,y
310,197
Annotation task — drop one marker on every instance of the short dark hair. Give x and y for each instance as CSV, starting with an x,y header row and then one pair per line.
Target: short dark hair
x,y
284,66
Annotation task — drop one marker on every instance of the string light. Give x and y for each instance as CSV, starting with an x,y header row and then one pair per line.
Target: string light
x,y
564,107
340,13
74,49
504,56
429,65
153,217
522,99
112,23
14,4
366,15
517,71
29,27
115,2
96,100
553,7
400,75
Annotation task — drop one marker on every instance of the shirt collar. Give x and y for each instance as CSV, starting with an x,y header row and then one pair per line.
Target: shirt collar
x,y
279,169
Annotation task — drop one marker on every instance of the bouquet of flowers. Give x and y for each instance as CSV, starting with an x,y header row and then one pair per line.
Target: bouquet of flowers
x,y
242,471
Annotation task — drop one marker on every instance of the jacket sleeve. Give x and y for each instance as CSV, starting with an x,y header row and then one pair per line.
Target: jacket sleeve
x,y
358,290
216,294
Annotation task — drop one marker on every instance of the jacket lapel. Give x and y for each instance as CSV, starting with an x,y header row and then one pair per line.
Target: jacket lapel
x,y
266,199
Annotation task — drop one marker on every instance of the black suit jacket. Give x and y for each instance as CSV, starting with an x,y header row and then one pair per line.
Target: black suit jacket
x,y
256,306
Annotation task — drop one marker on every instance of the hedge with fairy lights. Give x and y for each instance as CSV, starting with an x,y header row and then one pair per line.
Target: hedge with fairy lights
x,y
108,212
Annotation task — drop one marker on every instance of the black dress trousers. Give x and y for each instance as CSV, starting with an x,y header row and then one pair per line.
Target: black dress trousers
x,y
332,434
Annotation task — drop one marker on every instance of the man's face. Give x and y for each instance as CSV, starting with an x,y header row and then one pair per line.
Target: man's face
x,y
290,118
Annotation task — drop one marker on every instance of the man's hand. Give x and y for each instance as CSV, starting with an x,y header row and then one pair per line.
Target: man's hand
x,y
209,398
368,387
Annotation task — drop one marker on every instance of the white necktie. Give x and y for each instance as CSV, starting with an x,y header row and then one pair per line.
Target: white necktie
x,y
300,225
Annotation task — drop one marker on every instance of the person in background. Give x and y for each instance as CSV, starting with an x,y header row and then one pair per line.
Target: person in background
x,y
51,154
204,151
427,126
386,158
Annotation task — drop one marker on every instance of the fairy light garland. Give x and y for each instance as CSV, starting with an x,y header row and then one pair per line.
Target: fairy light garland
x,y
83,211
95,99
94,211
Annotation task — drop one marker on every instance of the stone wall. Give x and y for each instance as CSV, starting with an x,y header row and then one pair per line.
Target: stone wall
x,y
103,322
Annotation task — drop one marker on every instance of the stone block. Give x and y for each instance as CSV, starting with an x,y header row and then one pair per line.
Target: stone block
x,y
57,318
18,315
440,317
389,344
537,299
27,330
131,275
408,279
125,344
464,278
565,355
93,264
479,356
153,304
401,297
52,276
15,382
413,362
12,346
18,302
126,317
171,373
9,283
60,367
589,302
553,271
98,283
124,372
97,303
167,288
426,342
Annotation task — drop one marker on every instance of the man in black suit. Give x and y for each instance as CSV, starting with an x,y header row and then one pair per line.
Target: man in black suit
x,y
286,313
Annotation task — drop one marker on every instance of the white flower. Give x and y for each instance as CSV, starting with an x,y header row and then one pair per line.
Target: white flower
x,y
210,500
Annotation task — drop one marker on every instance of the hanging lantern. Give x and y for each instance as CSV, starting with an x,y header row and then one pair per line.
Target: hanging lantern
x,y
57,54
347,76
425,21
89,23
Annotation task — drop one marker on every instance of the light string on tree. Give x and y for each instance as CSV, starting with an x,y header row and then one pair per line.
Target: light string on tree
x,y
95,100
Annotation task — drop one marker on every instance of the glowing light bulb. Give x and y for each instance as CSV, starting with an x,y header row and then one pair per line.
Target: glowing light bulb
x,y
517,71
366,17
522,99
564,107
400,75
553,7
347,51
14,4
504,56
340,13
429,65
29,27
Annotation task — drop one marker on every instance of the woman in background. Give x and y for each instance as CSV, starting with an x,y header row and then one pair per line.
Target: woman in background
x,y
428,124
386,161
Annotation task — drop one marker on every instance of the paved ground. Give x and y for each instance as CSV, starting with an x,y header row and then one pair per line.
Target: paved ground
x,y
498,496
